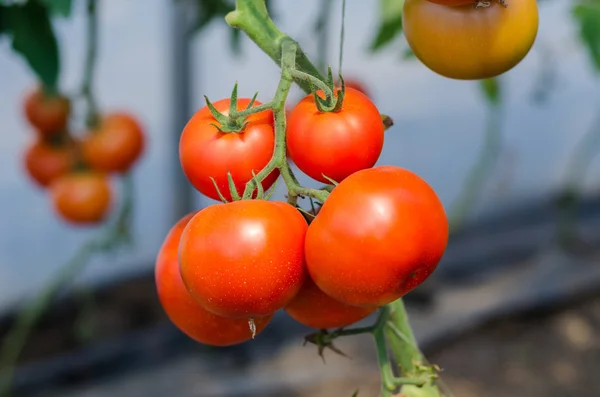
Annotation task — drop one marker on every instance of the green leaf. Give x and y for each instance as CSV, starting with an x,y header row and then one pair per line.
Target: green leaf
x,y
59,7
408,54
588,16
33,37
491,90
390,12
3,19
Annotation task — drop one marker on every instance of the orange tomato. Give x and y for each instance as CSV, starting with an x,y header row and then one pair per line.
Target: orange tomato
x,y
315,309
48,114
115,144
187,314
45,162
469,43
82,197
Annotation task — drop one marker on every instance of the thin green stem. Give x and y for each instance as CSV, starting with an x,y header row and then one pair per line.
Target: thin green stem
x,y
342,36
298,75
90,63
406,352
479,172
579,163
279,159
252,17
116,234
322,34
253,110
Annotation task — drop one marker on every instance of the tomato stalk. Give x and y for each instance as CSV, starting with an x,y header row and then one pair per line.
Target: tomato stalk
x,y
279,159
114,236
90,62
251,16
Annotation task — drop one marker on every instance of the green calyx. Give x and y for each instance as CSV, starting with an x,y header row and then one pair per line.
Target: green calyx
x,y
334,98
234,121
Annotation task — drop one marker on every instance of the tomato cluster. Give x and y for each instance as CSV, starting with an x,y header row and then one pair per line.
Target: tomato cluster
x,y
76,169
470,39
225,270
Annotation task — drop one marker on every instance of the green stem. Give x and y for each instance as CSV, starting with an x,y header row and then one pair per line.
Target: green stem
x,y
479,172
298,75
90,62
322,35
114,235
406,352
252,17
279,159
579,163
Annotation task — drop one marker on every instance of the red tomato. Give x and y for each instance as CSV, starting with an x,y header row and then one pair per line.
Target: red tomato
x,y
315,309
45,162
335,144
187,314
206,152
380,234
115,144
244,259
48,114
82,197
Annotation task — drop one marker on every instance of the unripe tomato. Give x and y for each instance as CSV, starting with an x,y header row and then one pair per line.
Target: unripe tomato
x,y
380,234
335,144
45,162
82,197
48,114
469,43
244,259
315,309
187,314
115,144
206,152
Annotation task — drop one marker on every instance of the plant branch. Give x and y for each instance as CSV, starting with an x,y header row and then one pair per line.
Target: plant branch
x,y
479,172
252,17
116,233
90,63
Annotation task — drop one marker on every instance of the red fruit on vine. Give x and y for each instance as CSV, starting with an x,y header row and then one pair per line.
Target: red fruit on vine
x,y
82,197
205,152
45,162
380,234
49,114
115,144
187,314
244,259
315,309
335,144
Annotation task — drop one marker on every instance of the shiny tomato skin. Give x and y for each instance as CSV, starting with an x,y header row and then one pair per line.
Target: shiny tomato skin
x,y
48,114
206,152
181,308
335,144
468,43
45,162
380,234
82,197
313,308
244,259
115,144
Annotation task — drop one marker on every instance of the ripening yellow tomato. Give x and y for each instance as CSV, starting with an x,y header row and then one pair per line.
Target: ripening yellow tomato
x,y
468,42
